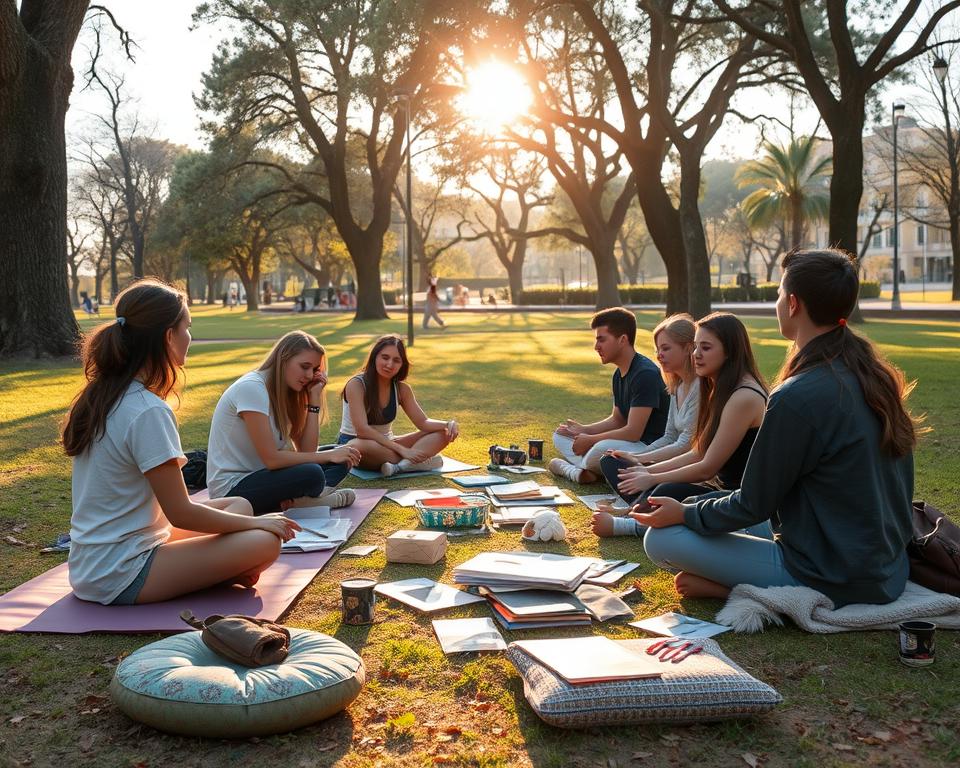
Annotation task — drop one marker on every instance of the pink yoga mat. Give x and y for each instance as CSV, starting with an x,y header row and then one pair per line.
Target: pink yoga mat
x,y
47,604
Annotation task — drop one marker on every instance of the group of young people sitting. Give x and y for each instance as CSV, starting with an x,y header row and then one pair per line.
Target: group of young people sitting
x,y
136,534
729,482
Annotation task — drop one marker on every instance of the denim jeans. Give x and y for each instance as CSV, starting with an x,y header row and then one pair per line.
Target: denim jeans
x,y
266,488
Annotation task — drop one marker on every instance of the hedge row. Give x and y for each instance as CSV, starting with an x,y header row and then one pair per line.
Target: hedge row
x,y
657,294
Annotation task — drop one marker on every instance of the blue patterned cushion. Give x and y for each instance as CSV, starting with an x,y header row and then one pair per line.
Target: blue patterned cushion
x,y
179,685
703,687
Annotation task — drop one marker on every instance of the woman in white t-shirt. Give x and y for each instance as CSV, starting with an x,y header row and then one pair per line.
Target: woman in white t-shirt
x,y
265,430
372,399
136,536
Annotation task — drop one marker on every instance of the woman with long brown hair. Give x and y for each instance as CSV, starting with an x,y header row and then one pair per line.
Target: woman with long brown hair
x,y
731,404
265,433
831,467
136,536
371,400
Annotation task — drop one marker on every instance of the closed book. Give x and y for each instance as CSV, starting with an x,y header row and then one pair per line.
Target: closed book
x,y
595,659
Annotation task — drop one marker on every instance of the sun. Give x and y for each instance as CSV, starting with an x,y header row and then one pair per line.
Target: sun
x,y
495,96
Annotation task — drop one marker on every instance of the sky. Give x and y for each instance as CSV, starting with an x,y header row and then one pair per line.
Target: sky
x,y
171,58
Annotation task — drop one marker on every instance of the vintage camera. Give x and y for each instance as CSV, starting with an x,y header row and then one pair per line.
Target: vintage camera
x,y
506,457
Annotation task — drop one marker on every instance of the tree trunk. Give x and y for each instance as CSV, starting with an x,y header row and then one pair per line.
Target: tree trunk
x,y
663,223
955,249
365,255
608,292
514,266
846,187
35,314
694,240
114,280
98,284
75,285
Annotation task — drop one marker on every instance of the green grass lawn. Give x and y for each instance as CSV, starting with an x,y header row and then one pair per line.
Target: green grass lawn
x,y
506,378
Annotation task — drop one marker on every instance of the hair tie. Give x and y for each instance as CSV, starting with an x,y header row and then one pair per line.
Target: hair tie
x,y
842,322
121,320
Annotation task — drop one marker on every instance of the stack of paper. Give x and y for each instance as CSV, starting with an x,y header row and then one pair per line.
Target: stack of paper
x,y
513,515
536,608
527,493
582,660
318,533
523,570
409,497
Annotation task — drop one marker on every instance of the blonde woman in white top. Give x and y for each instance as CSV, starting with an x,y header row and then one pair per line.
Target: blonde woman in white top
x,y
673,339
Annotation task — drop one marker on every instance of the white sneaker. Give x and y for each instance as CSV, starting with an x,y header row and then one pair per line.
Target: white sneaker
x,y
562,468
335,498
434,462
387,469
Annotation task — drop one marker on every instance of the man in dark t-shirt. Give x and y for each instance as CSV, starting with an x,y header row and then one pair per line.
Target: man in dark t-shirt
x,y
640,403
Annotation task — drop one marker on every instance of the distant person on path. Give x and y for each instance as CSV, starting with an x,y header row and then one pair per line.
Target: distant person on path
x,y
640,403
88,305
265,430
331,295
232,299
831,467
371,402
136,536
431,305
732,400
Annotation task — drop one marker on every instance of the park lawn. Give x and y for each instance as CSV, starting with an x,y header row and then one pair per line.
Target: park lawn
x,y
506,378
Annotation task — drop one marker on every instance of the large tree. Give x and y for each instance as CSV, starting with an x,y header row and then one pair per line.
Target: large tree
x,y
36,78
842,49
318,74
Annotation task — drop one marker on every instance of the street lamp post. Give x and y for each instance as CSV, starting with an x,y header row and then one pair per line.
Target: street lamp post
x,y
897,113
408,215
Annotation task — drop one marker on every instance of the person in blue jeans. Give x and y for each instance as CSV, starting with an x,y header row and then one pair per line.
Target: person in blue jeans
x,y
733,397
265,431
831,467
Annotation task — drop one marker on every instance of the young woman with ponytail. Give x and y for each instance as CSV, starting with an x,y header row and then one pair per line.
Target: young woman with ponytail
x,y
136,537
831,467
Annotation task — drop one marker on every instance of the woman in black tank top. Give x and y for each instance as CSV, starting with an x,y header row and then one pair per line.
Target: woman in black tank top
x,y
733,398
372,400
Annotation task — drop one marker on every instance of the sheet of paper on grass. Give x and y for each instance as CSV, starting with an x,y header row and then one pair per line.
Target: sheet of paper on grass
x,y
672,624
514,515
449,465
592,500
463,635
522,469
426,595
361,550
607,572
408,497
318,534
594,659
530,569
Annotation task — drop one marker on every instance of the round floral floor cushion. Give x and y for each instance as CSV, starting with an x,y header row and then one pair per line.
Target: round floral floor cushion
x,y
179,685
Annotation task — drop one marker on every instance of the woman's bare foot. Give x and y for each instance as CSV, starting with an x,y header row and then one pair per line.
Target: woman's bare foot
x,y
246,580
691,585
602,523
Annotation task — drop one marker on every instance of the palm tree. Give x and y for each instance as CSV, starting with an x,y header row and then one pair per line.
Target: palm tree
x,y
791,186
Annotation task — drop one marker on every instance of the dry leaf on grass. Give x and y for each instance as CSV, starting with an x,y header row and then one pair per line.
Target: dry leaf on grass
x,y
641,755
750,759
843,747
17,719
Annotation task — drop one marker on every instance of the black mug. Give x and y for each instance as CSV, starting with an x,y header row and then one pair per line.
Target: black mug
x,y
535,450
358,601
917,647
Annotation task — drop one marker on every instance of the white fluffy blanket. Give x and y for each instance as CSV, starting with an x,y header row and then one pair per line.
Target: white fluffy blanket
x,y
749,608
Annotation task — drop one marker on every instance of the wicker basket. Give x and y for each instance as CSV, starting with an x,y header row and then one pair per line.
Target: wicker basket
x,y
470,513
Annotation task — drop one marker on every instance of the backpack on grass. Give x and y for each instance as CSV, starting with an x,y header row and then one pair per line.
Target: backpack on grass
x,y
935,550
195,470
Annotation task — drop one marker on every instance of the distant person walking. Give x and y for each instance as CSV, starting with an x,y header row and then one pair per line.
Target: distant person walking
x,y
431,307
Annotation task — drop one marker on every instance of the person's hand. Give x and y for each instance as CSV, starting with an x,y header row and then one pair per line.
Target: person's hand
x,y
279,525
345,454
570,428
630,458
664,512
635,480
583,443
452,430
315,387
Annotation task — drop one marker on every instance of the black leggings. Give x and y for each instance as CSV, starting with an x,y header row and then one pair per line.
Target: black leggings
x,y
611,465
266,488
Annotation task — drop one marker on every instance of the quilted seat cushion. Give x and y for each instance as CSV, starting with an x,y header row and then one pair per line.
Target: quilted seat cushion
x,y
179,685
703,687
